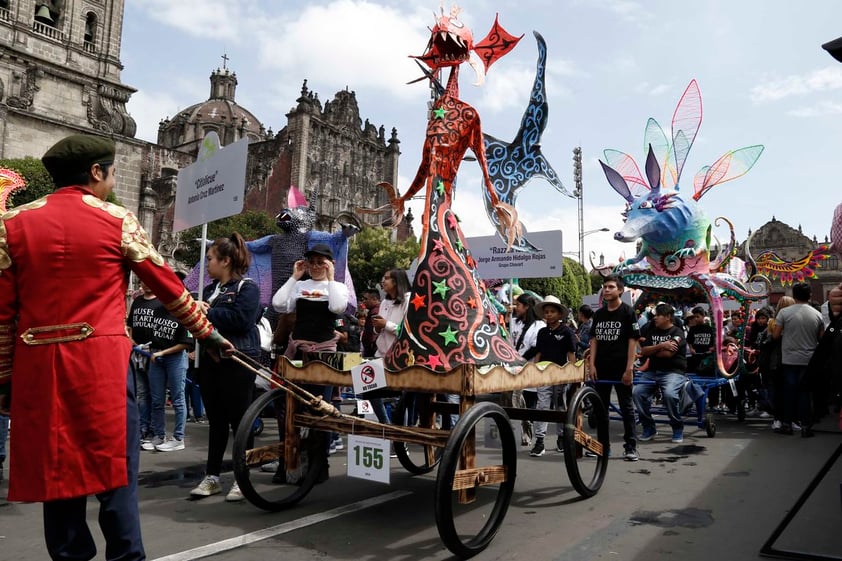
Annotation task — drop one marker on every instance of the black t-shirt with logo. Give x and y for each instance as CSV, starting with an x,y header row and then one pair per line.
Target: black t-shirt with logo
x,y
675,363
612,330
151,322
554,344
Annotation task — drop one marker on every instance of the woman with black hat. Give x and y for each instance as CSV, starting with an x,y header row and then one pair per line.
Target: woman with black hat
x,y
316,302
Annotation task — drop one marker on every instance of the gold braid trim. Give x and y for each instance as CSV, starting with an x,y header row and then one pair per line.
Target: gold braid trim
x,y
187,312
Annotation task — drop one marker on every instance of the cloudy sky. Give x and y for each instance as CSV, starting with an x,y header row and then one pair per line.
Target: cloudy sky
x,y
612,64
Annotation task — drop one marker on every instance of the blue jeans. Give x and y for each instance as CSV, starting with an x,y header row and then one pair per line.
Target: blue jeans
x,y
796,400
4,434
671,384
193,395
144,399
167,373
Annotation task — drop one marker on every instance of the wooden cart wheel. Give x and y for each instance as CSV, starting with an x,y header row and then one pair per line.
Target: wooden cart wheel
x,y
586,441
253,451
415,458
474,487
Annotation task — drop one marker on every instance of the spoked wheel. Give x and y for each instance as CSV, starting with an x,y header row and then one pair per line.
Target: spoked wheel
x,y
417,459
586,442
277,489
471,500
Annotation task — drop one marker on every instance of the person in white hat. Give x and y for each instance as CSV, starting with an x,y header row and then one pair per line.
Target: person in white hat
x,y
556,343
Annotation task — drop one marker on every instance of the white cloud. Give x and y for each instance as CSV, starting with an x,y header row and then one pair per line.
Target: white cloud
x,y
821,109
653,89
147,109
216,19
828,78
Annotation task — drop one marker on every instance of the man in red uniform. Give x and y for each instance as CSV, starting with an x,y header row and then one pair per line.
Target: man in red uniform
x,y
64,265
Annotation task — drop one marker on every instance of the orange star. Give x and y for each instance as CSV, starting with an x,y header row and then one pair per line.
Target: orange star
x,y
472,303
418,302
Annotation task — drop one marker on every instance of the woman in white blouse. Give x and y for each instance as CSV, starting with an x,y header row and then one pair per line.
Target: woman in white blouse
x,y
396,285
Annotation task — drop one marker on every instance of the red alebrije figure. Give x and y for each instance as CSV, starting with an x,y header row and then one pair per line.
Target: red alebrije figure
x,y
450,320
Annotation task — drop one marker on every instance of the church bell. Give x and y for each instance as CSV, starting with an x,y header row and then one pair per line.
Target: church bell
x,y
42,15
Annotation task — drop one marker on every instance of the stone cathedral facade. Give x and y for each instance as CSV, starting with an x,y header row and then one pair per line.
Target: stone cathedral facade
x,y
60,74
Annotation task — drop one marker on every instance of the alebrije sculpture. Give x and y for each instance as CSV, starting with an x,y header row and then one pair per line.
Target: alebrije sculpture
x,y
10,182
450,320
674,233
273,256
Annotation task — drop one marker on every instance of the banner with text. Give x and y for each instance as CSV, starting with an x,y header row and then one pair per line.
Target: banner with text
x,y
493,262
213,187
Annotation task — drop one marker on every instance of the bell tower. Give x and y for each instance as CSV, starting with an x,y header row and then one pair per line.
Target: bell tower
x,y
60,73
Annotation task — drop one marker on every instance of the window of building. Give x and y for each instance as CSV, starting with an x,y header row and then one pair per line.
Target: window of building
x,y
5,13
90,31
46,14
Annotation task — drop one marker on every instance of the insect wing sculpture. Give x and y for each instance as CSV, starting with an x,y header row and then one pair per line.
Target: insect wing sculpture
x,y
674,260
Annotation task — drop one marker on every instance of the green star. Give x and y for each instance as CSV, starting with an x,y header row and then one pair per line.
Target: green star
x,y
449,336
439,113
441,288
458,244
440,187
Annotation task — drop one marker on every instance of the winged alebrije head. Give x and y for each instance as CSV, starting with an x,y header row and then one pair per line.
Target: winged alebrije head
x,y
10,182
452,42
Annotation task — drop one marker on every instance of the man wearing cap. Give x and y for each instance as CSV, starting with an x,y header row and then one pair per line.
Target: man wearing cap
x,y
65,352
556,343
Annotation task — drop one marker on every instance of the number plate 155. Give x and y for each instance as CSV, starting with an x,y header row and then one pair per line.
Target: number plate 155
x,y
368,458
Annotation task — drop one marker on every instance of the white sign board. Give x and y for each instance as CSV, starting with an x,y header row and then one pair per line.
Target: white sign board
x,y
368,376
214,186
494,262
368,458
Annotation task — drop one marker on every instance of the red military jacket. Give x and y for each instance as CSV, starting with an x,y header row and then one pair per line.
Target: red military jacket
x,y
64,267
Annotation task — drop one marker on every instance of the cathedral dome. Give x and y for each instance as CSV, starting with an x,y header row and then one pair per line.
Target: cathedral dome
x,y
220,113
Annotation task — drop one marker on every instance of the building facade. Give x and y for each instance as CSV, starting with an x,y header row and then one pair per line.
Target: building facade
x,y
60,74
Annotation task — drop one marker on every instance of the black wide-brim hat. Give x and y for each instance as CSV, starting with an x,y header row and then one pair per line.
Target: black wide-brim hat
x,y
77,153
320,249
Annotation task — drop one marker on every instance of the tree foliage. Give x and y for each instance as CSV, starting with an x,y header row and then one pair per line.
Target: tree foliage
x,y
569,288
250,224
371,252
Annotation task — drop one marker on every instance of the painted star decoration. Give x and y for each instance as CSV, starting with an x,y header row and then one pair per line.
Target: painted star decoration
x,y
472,303
452,221
438,245
440,188
449,336
418,301
441,288
439,113
433,361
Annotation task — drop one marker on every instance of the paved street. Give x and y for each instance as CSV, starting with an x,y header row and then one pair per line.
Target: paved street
x,y
708,498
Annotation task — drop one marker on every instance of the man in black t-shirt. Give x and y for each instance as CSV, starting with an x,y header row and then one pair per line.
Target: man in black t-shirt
x,y
666,348
700,341
614,334
556,343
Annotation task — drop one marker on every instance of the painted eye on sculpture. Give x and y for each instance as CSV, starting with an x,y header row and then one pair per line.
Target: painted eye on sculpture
x,y
646,204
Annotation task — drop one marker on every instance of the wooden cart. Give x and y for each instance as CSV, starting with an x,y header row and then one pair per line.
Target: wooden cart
x,y
485,484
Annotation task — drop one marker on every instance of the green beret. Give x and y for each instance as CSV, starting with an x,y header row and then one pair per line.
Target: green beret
x,y
76,154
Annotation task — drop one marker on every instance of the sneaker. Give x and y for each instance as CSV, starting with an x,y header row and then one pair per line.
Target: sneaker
x,y
209,486
234,495
678,436
796,427
171,445
776,425
339,444
150,445
559,444
331,449
191,419
538,449
630,455
764,415
648,434
271,467
784,428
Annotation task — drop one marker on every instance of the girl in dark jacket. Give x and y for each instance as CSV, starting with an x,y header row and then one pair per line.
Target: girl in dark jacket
x,y
232,303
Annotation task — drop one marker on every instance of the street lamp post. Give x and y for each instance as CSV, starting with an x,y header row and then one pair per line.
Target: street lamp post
x,y
577,192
